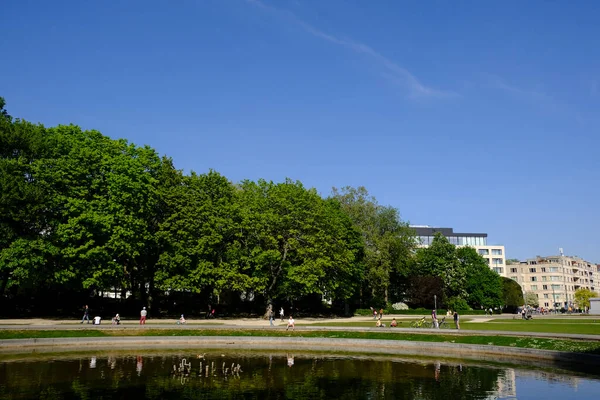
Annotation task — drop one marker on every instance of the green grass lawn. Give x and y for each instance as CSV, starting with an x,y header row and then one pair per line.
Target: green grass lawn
x,y
548,326
446,336
583,326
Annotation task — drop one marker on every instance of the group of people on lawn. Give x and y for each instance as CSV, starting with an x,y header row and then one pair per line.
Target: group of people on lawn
x,y
378,316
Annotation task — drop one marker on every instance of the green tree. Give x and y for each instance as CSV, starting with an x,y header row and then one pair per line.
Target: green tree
x,y
440,259
388,241
531,299
512,294
483,285
295,243
24,250
200,237
583,296
510,261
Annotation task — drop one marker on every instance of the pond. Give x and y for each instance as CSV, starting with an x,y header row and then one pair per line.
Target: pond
x,y
188,375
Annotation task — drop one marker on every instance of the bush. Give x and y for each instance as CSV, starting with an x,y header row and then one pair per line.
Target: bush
x,y
399,306
458,304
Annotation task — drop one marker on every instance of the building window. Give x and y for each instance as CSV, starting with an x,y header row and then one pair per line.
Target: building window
x,y
497,261
496,252
543,269
533,287
514,278
532,270
553,269
545,295
533,279
545,304
499,270
545,287
513,270
544,279
484,252
555,278
555,287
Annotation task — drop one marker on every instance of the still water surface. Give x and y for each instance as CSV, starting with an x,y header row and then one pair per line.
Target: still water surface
x,y
185,375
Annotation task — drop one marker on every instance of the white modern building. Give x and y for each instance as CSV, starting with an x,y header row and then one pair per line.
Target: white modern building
x,y
493,254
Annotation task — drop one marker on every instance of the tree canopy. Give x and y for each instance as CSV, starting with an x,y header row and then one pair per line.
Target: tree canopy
x,y
86,218
582,297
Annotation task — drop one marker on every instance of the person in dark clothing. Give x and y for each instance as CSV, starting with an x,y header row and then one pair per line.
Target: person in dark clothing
x,y
456,320
86,314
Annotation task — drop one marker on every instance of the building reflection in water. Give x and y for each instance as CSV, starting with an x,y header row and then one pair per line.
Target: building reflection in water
x,y
271,376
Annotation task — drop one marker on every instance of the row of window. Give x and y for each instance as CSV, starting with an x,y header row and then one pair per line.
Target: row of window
x,y
552,287
457,240
486,252
544,269
545,278
545,287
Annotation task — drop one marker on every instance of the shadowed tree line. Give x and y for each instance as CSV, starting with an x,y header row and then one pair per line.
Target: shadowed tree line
x,y
86,219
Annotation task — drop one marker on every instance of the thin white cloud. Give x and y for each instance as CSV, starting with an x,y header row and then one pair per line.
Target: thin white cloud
x,y
392,71
538,98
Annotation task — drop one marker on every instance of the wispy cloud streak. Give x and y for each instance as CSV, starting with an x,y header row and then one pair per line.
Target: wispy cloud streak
x,y
540,99
392,71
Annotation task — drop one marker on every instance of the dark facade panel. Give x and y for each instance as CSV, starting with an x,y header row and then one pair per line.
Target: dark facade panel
x,y
428,231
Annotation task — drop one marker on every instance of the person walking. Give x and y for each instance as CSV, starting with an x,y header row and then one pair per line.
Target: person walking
x,y
86,314
281,313
143,315
271,317
456,320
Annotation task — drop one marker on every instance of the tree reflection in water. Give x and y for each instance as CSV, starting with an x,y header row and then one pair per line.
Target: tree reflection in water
x,y
250,377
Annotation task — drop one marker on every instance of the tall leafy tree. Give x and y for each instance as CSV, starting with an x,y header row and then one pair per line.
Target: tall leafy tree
x,y
388,241
296,243
512,294
441,259
483,285
199,237
24,252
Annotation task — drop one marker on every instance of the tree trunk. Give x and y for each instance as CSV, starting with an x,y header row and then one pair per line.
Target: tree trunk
x,y
4,283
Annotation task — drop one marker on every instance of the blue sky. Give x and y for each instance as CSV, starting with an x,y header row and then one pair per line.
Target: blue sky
x,y
481,116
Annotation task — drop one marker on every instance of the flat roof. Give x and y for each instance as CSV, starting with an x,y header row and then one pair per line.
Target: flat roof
x,y
431,231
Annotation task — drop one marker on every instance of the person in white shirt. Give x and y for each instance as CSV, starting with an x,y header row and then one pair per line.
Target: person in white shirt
x,y
143,315
290,323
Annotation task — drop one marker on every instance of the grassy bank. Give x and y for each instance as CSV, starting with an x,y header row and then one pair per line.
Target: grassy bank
x,y
576,326
530,343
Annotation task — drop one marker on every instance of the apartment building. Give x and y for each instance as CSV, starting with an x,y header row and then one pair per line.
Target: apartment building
x,y
495,255
554,279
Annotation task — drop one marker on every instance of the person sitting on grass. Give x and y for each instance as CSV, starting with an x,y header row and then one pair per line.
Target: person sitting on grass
x,y
393,324
116,320
290,323
181,320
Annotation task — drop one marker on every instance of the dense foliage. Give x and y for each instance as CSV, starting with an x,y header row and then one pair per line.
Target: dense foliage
x,y
88,219
583,296
512,294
